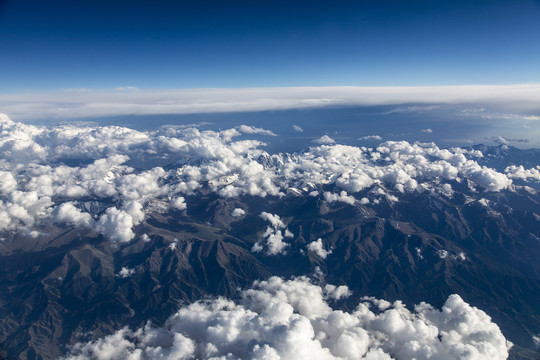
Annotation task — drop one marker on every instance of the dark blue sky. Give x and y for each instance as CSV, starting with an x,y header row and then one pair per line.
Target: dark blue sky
x,y
51,45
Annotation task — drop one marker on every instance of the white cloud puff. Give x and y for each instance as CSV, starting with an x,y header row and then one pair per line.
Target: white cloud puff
x,y
371,137
273,219
318,248
274,235
254,130
238,213
278,319
519,172
117,225
178,203
342,197
297,128
325,139
125,272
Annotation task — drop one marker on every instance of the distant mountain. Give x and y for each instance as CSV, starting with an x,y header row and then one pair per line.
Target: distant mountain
x,y
501,156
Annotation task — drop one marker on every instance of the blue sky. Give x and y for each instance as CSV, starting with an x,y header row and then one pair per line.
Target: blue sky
x,y
52,45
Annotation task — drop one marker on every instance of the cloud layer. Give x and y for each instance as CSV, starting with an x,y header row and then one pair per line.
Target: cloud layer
x,y
73,104
278,319
109,178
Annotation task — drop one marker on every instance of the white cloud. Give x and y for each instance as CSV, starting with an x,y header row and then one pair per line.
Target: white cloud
x,y
120,167
342,197
325,139
429,131
237,213
254,130
116,225
519,172
297,128
179,203
521,98
273,235
278,319
69,214
318,248
126,272
273,219
127,88
371,137
443,254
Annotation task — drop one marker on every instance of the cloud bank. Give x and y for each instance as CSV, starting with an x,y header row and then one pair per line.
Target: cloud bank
x,y
77,104
109,178
278,319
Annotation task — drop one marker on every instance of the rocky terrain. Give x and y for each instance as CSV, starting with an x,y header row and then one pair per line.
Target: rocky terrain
x,y
69,286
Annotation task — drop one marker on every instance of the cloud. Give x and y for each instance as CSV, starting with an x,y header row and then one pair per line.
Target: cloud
x,y
502,140
273,235
371,137
273,219
178,203
48,173
519,172
325,139
127,88
317,248
297,128
69,214
521,98
444,254
238,213
116,225
278,319
126,272
342,197
254,130
429,131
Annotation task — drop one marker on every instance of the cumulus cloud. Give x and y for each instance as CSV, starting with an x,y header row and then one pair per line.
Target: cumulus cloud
x,y
47,173
325,139
297,128
116,225
69,214
273,219
519,172
342,197
274,235
371,137
254,130
278,319
522,98
126,272
318,248
429,131
178,203
238,212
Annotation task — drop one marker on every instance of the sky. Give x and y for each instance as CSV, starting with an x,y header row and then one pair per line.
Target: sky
x,y
58,45
474,62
